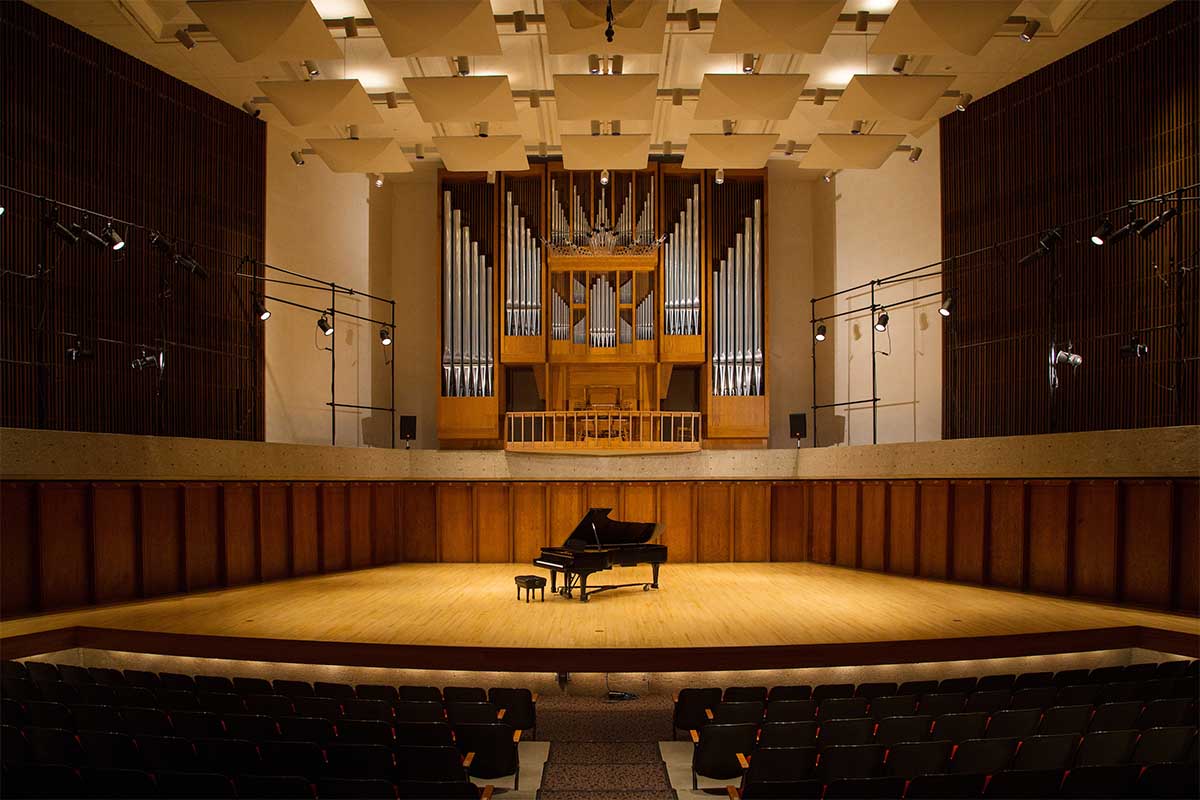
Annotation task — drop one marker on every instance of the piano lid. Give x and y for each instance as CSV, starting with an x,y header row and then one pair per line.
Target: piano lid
x,y
597,531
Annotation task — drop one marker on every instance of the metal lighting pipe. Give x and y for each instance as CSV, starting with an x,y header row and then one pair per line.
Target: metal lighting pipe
x,y
333,373
813,325
848,403
874,378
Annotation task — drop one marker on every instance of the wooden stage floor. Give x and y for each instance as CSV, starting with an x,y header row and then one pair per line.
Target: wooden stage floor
x,y
705,616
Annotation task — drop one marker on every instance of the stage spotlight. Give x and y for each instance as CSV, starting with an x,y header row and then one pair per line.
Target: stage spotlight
x,y
325,326
819,97
693,19
790,147
861,18
298,158
1134,349
419,151
1133,226
947,305
378,181
820,335
618,64
191,265
594,64
1030,30
483,129
1,211
261,309
1045,245
720,177
748,63
727,127
251,109
112,238
463,65
964,100
160,243
827,177
604,177
520,24
185,38
1058,356
857,127
1150,227
145,360
615,127
90,235
677,97
595,127
311,68
385,337
914,155
66,234
1100,235
80,352
900,63
882,322
392,100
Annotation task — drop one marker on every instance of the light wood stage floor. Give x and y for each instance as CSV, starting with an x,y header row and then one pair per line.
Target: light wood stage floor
x,y
705,616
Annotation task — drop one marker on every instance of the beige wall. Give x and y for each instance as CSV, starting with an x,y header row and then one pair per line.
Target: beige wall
x,y
871,224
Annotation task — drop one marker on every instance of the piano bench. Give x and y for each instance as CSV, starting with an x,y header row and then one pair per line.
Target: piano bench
x,y
530,583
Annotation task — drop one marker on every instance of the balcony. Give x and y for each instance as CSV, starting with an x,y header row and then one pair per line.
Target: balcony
x,y
602,432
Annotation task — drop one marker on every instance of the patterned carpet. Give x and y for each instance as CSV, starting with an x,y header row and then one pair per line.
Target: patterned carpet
x,y
604,751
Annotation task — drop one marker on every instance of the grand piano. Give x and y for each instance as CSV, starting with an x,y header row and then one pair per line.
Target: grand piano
x,y
599,543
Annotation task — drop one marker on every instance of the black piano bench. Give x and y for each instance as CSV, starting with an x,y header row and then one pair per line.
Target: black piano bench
x,y
530,583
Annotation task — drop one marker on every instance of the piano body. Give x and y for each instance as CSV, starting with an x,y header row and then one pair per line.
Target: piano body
x,y
599,543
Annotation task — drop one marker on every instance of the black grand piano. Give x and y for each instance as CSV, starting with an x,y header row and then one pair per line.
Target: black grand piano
x,y
599,543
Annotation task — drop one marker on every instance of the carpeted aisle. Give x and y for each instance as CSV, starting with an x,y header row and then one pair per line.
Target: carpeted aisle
x,y
604,751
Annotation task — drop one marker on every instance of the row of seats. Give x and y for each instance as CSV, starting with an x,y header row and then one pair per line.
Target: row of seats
x,y
1154,781
61,781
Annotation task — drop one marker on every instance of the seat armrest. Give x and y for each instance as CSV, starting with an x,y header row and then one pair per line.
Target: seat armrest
x,y
468,759
675,697
732,792
486,794
500,713
516,737
743,761
708,713
695,736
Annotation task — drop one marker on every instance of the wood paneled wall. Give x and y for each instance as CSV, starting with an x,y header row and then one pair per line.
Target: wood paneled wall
x,y
87,124
75,544
1066,143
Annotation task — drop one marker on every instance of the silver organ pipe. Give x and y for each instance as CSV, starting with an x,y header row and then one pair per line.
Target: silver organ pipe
x,y
523,273
737,313
681,269
468,359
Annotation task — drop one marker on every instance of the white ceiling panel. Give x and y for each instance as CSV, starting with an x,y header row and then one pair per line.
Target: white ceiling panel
x,y
772,26
475,154
756,97
251,29
436,27
713,151
605,152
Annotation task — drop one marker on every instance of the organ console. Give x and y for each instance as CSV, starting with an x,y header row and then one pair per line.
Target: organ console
x,y
626,280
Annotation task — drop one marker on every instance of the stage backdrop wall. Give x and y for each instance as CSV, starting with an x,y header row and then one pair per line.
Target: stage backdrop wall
x,y
87,124
70,544
1114,121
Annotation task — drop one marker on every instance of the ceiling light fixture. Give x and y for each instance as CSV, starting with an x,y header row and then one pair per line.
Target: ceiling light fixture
x,y
615,127
1101,234
352,131
419,151
964,100
594,64
298,158
185,38
112,238
1030,30
677,97
1150,227
1133,226
604,177
378,181
882,322
1066,356
1134,349
90,235
80,351
727,127
535,99
350,26
819,97
748,63
392,100
311,67
595,127
790,147
483,129
900,63
720,177
857,127
260,308
821,331
385,336
914,155
520,24
144,360
827,177
66,234
463,65
618,64
250,108
1045,245
861,19
324,325
947,305
191,265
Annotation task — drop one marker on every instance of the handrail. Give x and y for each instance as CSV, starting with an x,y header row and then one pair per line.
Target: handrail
x,y
604,430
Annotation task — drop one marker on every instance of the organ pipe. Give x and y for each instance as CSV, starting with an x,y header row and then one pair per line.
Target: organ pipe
x,y
681,270
737,313
468,359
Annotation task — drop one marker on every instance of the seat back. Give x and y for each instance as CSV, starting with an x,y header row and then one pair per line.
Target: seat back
x,y
430,764
745,694
690,707
850,761
493,746
377,691
842,708
893,730
873,690
464,694
520,710
789,692
909,759
360,760
788,734
1107,748
1032,783
901,705
470,711
715,756
924,787
1055,751
739,711
1014,722
860,788
424,733
1164,745
791,710
284,757
169,753
846,731
827,691
781,764
983,756
959,727
365,731
107,676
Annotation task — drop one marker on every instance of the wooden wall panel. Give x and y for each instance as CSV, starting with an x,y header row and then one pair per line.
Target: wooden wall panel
x,y
968,531
1007,534
1094,554
714,524
903,526
18,543
823,512
1187,516
64,539
567,507
202,536
240,525
296,542
334,537
789,521
874,525
846,524
639,502
751,521
493,523
934,543
274,545
116,554
385,524
1049,536
1148,552
677,513
455,523
162,539
419,518
605,495
358,523
529,521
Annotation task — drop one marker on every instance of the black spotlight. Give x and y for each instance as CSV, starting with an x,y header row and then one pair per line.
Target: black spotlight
x,y
161,243
1045,245
1133,226
89,234
947,305
821,331
385,336
882,322
261,309
1101,234
112,238
1150,227
325,325
1134,349
80,352
66,234
191,265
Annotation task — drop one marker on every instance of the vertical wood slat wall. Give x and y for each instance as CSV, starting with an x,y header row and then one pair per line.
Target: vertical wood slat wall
x,y
1116,120
72,544
87,124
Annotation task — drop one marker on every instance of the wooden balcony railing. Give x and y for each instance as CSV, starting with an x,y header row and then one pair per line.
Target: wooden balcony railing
x,y
602,432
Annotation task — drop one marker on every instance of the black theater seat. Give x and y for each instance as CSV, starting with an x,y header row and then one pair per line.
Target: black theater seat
x,y
690,705
274,787
788,734
1056,751
865,788
365,731
119,783
850,761
792,692
194,785
983,756
1019,723
894,730
842,708
910,759
791,710
1107,748
737,711
306,729
745,694
1099,781
292,758
1035,783
430,764
846,731
950,787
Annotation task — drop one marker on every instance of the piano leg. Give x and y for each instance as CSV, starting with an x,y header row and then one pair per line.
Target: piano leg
x,y
583,588
553,581
654,568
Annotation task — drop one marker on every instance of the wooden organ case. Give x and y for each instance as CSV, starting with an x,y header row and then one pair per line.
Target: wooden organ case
x,y
603,287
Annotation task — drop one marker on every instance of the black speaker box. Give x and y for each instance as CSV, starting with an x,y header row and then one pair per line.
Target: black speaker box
x,y
798,425
408,428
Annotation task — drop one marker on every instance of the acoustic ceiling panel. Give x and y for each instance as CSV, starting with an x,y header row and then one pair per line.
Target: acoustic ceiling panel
x,y
715,150
577,26
337,102
904,97
361,155
585,97
436,27
942,27
749,96
847,151
475,154
463,99
772,26
276,29
630,151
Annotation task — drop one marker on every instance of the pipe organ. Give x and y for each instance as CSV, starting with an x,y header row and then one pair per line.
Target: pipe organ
x,y
605,286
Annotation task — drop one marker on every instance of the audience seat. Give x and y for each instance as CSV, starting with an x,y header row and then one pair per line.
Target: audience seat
x,y
118,783
274,787
801,733
495,747
365,731
339,691
1099,781
1031,783
306,729
791,710
1169,781
1107,748
1065,719
1020,723
520,707
245,686
952,787
720,748
1120,716
792,692
942,703
894,730
230,757
745,694
376,691
829,691
850,761
359,761
430,764
873,690
1164,745
910,759
366,789
420,693
167,753
846,731
690,707
194,785
107,750
842,708
958,727
737,711
904,705
858,788
463,694
983,756
1055,751
53,746
285,757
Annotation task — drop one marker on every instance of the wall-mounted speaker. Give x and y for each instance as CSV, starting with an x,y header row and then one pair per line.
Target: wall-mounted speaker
x,y
798,424
408,428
